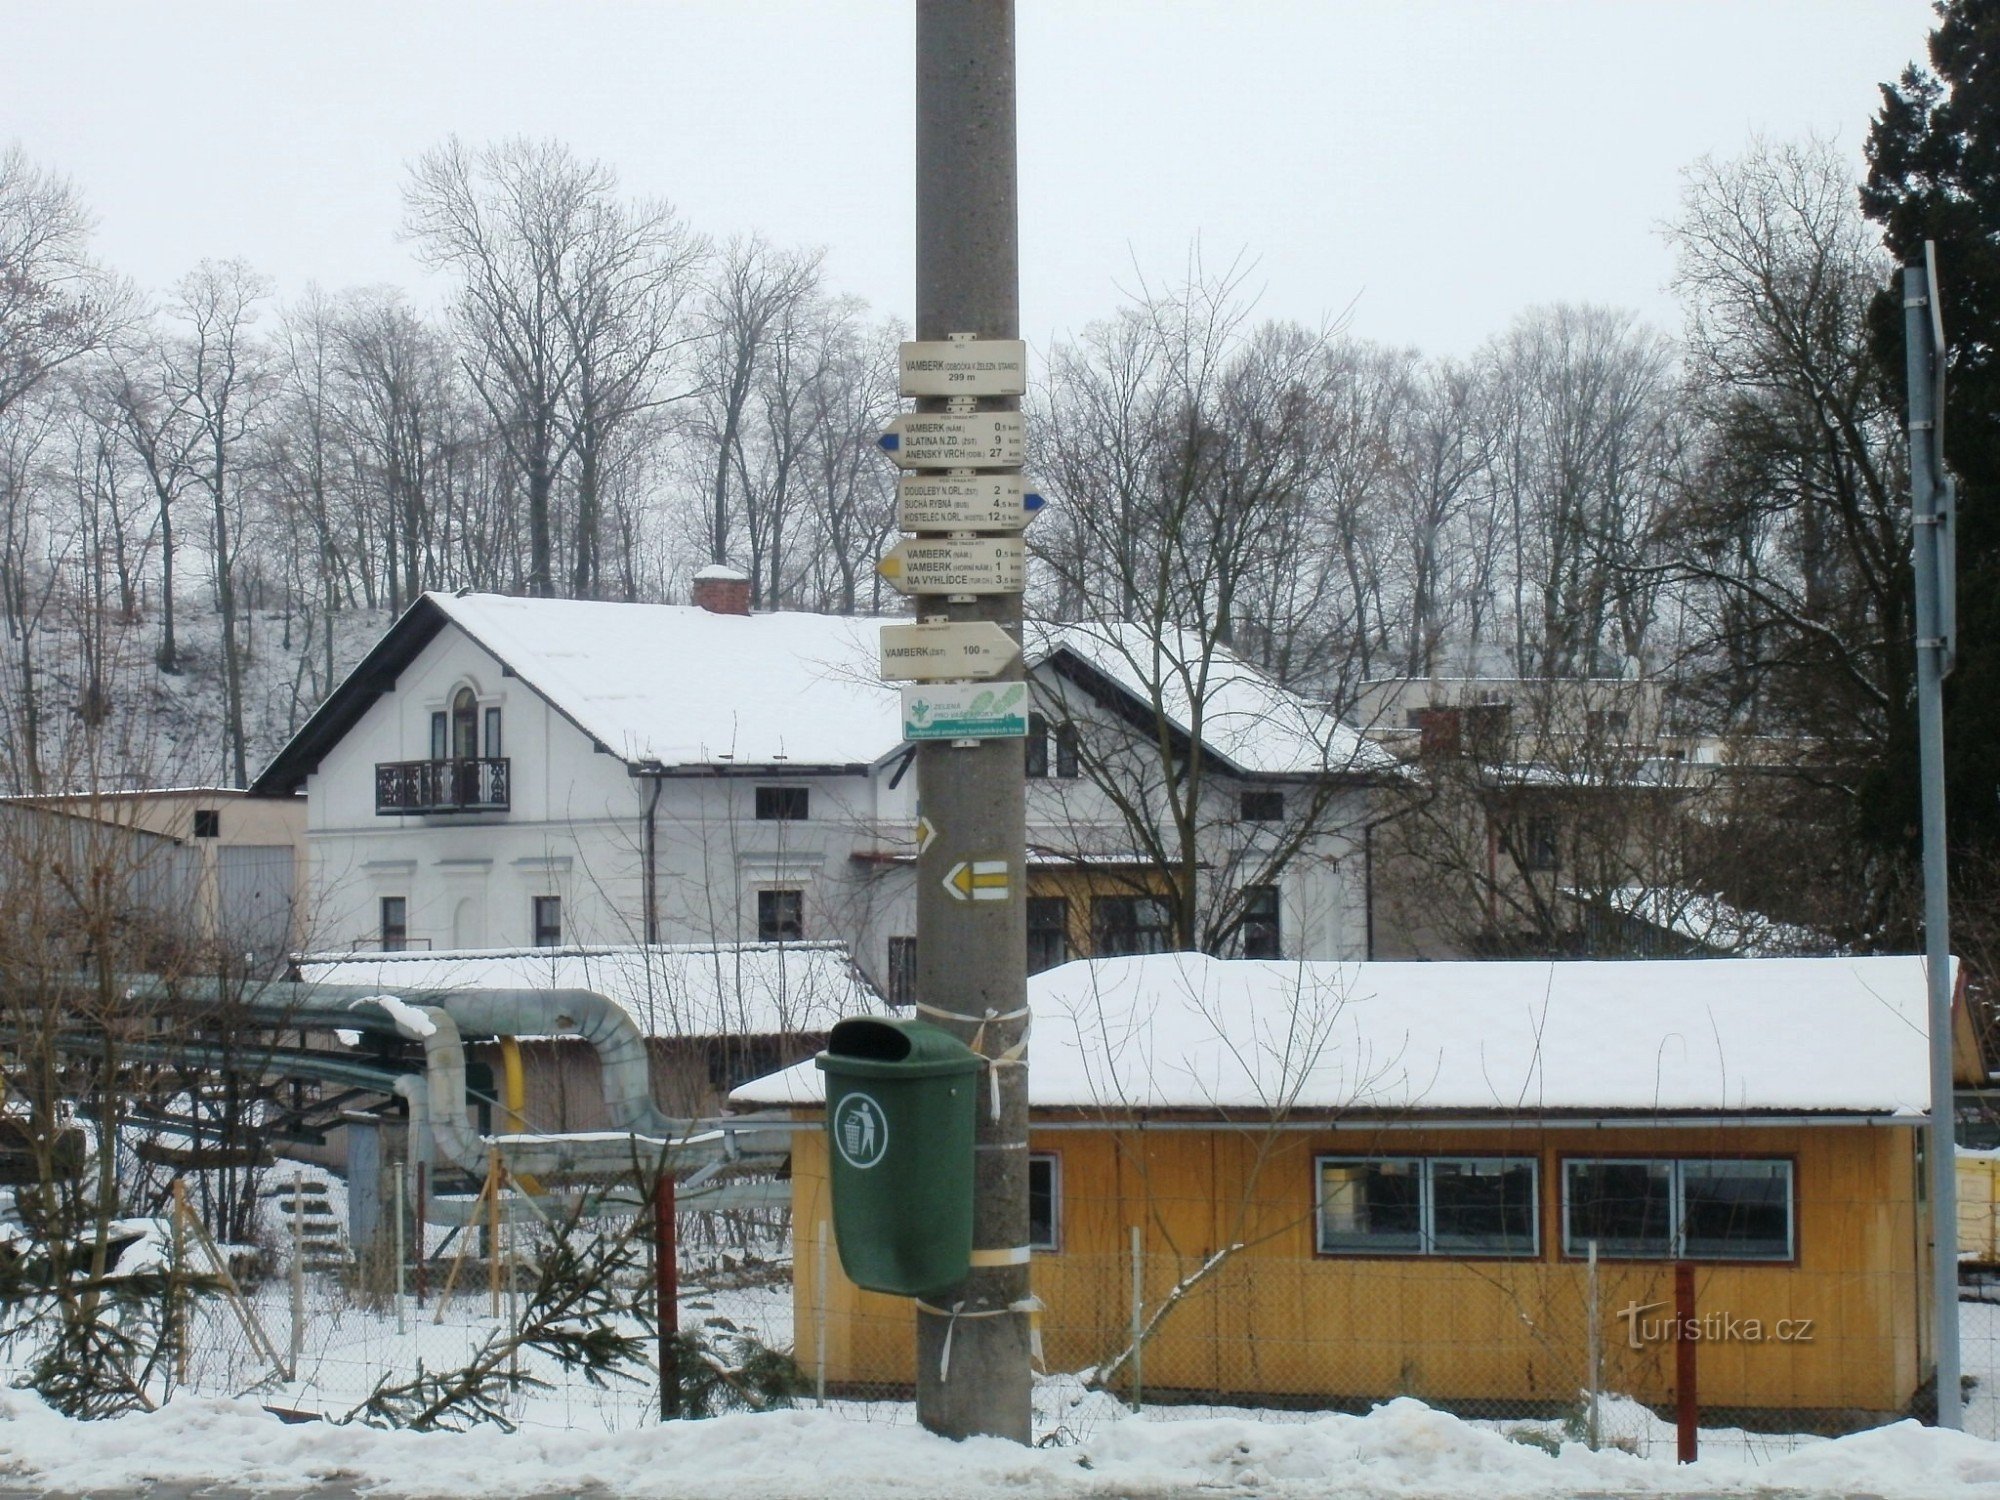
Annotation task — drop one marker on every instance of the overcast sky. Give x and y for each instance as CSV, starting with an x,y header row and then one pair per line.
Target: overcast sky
x,y
1437,167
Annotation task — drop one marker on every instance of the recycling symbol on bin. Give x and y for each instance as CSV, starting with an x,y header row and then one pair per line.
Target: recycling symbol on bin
x,y
860,1131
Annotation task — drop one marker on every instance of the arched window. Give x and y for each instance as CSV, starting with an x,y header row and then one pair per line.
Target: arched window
x,y
464,725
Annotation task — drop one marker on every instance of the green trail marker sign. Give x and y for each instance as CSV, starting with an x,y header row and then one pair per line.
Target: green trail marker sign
x,y
965,711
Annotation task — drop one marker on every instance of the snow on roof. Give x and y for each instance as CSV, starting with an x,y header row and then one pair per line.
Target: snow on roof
x,y
1713,922
1246,717
1186,1031
683,686
751,989
721,571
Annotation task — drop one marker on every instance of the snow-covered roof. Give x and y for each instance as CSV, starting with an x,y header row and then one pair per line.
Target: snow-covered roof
x,y
750,989
1711,922
1247,718
683,686
1183,1031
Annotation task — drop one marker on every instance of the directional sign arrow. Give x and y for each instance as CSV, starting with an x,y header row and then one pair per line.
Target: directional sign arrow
x,y
976,565
946,652
926,832
951,440
976,367
978,880
964,502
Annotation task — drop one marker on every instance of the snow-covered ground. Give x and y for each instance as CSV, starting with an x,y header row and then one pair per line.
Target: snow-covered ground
x,y
1402,1449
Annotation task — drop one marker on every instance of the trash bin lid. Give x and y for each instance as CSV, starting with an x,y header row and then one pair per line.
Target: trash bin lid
x,y
888,1047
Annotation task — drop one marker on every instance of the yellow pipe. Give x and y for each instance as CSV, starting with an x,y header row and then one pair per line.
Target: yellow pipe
x,y
514,1099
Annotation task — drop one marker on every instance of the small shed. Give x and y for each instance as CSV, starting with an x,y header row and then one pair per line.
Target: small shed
x,y
712,1015
1351,1181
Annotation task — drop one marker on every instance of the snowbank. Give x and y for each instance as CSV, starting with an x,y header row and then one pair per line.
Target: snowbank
x,y
1399,1452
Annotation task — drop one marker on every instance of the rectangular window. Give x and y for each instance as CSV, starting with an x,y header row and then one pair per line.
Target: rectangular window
x,y
1611,724
1263,807
1066,752
1125,925
1048,932
548,921
1666,1210
781,916
1736,1210
1540,845
493,750
395,923
902,971
1371,1205
440,744
1261,935
1036,748
1483,1206
207,823
782,804
1412,1205
1044,1201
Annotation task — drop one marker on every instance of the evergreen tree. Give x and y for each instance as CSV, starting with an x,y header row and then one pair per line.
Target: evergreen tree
x,y
1934,174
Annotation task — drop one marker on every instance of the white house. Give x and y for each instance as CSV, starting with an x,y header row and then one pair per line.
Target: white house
x,y
503,772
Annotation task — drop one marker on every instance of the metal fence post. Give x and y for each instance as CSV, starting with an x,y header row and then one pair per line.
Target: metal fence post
x,y
1594,1368
666,1291
1686,1334
1138,1319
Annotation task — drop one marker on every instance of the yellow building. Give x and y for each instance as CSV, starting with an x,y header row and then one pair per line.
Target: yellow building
x,y
1354,1181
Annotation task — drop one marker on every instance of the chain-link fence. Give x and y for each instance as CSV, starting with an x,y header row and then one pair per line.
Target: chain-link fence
x,y
1547,1347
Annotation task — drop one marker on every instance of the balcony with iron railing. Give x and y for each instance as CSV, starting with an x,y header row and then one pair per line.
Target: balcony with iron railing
x,y
407,787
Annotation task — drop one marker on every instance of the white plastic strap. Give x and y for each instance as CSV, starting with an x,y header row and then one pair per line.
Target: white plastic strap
x,y
1029,1307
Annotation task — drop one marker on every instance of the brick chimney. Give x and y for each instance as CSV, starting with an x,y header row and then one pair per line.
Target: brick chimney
x,y
721,590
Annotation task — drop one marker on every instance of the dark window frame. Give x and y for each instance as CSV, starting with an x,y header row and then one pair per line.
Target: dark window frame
x,y
1051,1244
1101,928
490,731
900,980
1035,749
542,932
1541,842
1676,1245
1426,1247
1262,932
208,822
784,804
395,935
1042,906
1261,805
771,923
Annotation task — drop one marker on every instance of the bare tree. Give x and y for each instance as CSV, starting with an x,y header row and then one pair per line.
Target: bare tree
x,y
216,370
1791,543
1583,446
56,305
755,292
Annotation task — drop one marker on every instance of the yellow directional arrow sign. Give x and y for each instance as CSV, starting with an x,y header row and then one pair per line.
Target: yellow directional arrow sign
x,y
978,880
926,831
976,565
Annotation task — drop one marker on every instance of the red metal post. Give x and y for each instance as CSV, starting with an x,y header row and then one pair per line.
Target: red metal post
x,y
1687,1332
667,1291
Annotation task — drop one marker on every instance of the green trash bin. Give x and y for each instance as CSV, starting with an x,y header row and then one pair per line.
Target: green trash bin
x,y
900,1102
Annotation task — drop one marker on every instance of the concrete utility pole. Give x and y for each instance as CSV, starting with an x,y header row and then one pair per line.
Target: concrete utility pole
x,y
1935,551
973,1342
